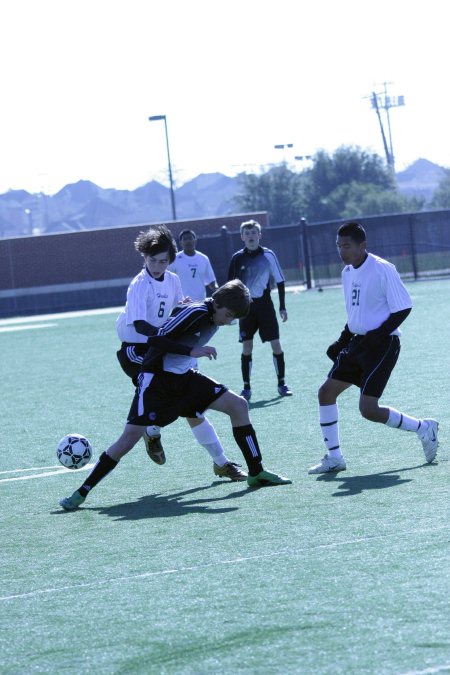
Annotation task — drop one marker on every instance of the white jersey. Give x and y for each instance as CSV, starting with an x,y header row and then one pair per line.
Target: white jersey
x,y
195,273
150,300
372,292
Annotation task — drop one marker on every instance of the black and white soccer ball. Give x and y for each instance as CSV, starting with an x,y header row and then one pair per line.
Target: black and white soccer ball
x,y
74,451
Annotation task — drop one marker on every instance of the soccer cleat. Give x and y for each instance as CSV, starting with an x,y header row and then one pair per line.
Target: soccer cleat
x,y
154,448
73,502
284,390
329,465
430,440
230,470
246,393
266,479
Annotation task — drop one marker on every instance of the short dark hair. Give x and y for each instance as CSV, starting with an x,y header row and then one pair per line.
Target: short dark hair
x,y
354,230
234,296
250,224
158,239
183,232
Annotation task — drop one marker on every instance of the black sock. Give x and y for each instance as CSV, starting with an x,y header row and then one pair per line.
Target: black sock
x,y
278,362
246,439
246,368
104,465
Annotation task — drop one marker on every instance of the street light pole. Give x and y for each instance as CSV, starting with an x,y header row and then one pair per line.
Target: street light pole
x,y
155,118
282,146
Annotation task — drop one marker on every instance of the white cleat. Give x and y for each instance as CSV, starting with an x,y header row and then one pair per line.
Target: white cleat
x,y
429,440
329,465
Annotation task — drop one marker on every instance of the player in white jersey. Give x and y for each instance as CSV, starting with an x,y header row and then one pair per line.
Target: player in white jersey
x,y
151,296
193,268
367,350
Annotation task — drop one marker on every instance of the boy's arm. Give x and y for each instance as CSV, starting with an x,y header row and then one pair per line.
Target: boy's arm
x,y
371,338
232,269
281,297
213,286
165,345
145,328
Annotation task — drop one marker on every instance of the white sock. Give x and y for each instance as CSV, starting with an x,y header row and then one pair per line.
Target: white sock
x,y
399,420
205,434
153,431
329,424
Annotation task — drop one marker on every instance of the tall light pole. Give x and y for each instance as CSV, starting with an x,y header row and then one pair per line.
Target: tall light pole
x,y
386,102
155,118
282,146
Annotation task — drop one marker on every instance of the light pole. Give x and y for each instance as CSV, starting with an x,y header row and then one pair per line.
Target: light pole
x,y
155,118
386,102
282,146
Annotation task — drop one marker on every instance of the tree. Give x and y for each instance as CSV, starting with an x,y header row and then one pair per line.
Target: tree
x,y
364,199
278,191
332,177
349,183
441,196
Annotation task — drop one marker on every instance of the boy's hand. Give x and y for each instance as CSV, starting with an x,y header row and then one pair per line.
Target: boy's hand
x,y
210,352
283,314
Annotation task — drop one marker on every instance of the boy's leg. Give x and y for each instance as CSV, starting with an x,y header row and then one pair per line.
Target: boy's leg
x,y
130,357
246,368
106,463
205,434
426,429
333,460
153,445
232,405
279,365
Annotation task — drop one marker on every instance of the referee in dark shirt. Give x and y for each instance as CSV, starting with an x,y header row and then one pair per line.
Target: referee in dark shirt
x,y
255,265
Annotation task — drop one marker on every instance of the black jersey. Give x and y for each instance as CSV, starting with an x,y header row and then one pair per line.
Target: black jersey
x,y
188,326
255,268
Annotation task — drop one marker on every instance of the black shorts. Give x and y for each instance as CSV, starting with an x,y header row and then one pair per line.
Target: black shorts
x,y
161,398
130,357
262,318
369,370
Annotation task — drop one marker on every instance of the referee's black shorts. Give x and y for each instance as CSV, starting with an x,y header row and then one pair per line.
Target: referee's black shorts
x,y
369,369
261,317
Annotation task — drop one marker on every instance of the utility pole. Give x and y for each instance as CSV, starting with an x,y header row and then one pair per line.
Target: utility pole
x,y
385,102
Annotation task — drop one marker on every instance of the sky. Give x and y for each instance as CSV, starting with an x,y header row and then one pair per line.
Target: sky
x,y
80,78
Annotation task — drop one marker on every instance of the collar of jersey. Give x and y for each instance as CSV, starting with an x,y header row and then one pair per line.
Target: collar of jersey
x,y
254,253
161,278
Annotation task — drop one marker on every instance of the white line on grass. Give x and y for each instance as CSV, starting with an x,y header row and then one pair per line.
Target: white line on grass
x,y
433,669
10,329
194,568
57,472
60,315
34,468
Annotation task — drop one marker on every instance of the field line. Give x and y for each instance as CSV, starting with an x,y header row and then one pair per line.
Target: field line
x,y
429,671
58,470
34,468
10,329
293,553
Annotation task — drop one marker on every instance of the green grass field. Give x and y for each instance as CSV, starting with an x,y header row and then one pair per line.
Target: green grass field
x,y
169,570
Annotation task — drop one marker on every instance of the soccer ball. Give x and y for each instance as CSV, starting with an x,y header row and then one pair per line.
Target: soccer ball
x,y
74,451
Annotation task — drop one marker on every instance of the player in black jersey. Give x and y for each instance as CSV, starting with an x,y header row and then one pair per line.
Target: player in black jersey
x,y
169,387
255,266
